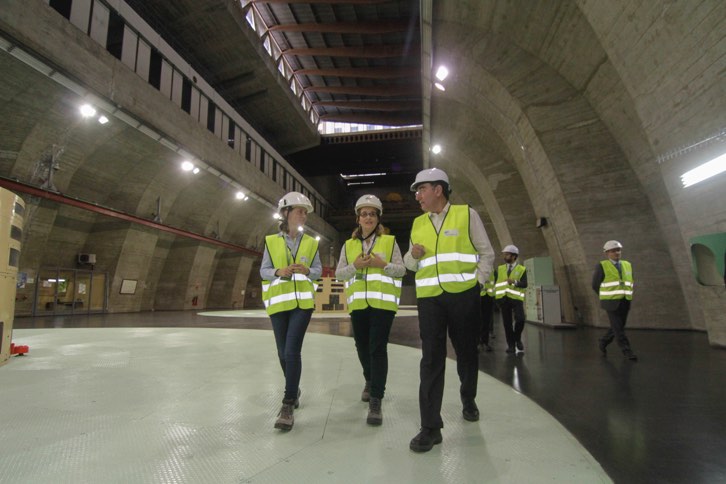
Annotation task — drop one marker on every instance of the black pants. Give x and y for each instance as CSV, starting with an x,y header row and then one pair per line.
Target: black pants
x,y
513,332
459,315
371,328
618,317
487,317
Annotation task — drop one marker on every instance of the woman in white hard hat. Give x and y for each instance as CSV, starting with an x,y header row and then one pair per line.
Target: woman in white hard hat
x,y
290,264
372,267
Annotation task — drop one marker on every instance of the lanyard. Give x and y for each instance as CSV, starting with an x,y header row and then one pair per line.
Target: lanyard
x,y
290,255
373,242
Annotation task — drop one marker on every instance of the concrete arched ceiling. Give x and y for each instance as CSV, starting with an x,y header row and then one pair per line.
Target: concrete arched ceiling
x,y
525,73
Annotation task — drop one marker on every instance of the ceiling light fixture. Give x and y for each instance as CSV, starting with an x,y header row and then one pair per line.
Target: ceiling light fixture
x,y
436,149
187,165
439,86
239,196
87,111
350,184
705,171
360,175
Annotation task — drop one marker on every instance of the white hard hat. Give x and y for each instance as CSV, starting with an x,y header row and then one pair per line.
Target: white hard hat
x,y
369,201
611,244
428,176
295,199
512,249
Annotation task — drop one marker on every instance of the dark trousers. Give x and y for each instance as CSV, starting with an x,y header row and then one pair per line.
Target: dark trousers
x,y
513,332
487,317
459,314
618,318
289,328
371,328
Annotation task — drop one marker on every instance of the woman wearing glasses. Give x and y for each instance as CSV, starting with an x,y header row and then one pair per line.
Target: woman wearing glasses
x,y
372,267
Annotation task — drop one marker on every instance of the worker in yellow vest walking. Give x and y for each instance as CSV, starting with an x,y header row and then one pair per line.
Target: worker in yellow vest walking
x,y
452,258
509,294
371,265
290,264
613,282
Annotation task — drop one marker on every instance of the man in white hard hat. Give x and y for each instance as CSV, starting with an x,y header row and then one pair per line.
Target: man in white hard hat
x,y
509,294
451,256
613,282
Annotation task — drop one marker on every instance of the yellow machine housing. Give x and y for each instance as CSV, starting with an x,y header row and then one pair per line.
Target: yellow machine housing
x,y
12,209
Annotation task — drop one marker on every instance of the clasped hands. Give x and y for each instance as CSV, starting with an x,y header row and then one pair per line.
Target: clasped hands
x,y
292,269
370,260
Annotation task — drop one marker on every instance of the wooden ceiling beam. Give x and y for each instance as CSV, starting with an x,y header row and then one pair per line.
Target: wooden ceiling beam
x,y
372,105
344,27
329,2
363,72
371,52
385,119
384,91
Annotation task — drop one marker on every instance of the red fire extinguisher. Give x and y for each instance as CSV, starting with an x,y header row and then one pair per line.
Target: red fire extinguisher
x,y
195,300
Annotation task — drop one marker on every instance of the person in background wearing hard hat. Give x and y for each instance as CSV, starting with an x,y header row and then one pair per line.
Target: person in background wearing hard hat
x,y
613,282
290,264
371,265
451,255
509,293
487,313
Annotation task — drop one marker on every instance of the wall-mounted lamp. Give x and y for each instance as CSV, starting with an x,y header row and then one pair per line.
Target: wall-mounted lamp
x,y
436,149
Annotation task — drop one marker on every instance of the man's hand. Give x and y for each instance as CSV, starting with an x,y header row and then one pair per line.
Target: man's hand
x,y
417,251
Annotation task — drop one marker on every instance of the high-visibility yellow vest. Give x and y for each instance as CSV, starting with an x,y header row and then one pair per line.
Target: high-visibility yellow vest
x,y
371,286
615,285
503,289
449,263
488,288
298,291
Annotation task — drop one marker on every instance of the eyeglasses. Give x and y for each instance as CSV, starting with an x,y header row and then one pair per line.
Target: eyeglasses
x,y
368,214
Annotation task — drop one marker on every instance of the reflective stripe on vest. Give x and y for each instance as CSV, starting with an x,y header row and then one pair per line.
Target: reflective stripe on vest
x,y
449,263
298,291
371,286
503,289
488,288
614,286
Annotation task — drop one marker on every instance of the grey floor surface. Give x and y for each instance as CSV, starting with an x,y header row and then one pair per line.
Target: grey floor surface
x,y
178,405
